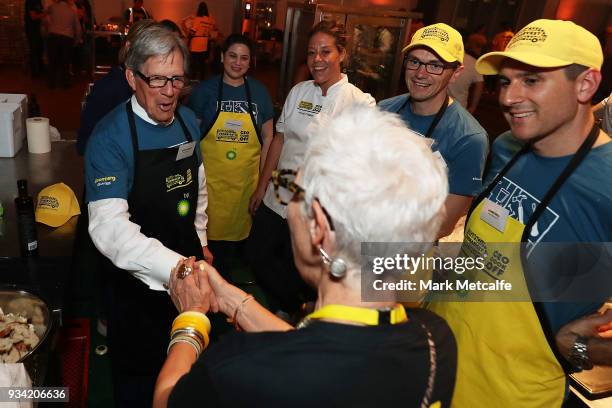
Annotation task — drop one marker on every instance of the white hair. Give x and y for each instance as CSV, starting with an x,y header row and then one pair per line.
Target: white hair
x,y
378,180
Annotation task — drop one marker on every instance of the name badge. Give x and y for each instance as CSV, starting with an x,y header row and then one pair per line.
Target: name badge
x,y
185,150
233,124
494,214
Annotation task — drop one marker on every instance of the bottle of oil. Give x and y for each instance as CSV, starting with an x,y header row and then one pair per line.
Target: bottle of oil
x,y
26,223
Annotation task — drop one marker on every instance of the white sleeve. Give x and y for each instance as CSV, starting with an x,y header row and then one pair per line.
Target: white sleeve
x,y
201,218
120,240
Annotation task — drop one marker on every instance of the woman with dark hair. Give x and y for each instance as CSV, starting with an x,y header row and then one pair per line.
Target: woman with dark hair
x,y
269,249
199,29
236,113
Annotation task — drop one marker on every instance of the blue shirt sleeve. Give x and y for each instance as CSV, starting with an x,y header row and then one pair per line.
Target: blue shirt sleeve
x,y
466,168
203,102
107,166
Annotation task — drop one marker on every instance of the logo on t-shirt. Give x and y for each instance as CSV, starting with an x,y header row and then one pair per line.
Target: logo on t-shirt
x,y
239,107
105,181
308,108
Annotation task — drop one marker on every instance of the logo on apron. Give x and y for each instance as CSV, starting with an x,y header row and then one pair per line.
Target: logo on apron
x,y
182,208
230,155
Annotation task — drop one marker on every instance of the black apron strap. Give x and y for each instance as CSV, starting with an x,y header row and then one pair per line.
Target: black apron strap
x,y
248,95
182,123
219,99
133,134
436,119
582,152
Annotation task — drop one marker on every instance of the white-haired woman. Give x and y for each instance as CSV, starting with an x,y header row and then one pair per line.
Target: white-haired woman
x,y
352,188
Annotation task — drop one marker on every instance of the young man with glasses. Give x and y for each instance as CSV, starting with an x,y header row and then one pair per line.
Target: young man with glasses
x,y
433,60
147,199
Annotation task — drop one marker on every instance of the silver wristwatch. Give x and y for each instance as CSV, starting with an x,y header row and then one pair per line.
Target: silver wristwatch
x,y
579,356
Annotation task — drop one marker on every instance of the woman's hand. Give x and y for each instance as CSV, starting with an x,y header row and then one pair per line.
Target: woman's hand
x,y
257,198
189,287
227,296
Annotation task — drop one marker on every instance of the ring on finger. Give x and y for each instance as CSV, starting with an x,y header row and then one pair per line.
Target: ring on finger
x,y
183,271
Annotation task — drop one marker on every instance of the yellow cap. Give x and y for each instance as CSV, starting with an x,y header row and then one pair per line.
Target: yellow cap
x,y
547,44
442,39
56,204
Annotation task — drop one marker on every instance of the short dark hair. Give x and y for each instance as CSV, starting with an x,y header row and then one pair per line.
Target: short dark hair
x,y
333,29
238,39
572,71
202,9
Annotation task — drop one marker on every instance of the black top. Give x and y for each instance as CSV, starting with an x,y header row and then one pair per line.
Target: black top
x,y
326,365
32,5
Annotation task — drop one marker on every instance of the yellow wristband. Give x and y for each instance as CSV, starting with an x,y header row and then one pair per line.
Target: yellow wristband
x,y
196,320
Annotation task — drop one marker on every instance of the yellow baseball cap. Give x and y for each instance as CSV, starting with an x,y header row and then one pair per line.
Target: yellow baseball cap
x,y
547,44
443,39
56,204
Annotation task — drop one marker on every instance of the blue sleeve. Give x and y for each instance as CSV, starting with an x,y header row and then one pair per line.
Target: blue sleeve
x,y
203,102
266,109
108,166
466,168
392,104
561,313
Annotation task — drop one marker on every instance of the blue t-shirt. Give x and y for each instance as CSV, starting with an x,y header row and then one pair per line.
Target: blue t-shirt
x,y
581,211
203,101
461,141
109,157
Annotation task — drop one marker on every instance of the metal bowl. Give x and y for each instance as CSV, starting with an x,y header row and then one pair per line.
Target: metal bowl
x,y
23,302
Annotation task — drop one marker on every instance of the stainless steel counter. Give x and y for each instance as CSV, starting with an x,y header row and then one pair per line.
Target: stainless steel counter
x,y
62,164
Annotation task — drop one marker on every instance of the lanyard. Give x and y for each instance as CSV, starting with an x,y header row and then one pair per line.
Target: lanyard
x,y
369,317
578,157
436,119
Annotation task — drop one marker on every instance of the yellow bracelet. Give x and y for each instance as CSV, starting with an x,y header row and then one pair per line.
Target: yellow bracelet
x,y
195,320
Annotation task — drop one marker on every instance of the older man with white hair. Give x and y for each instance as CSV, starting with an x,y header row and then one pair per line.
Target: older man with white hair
x,y
147,198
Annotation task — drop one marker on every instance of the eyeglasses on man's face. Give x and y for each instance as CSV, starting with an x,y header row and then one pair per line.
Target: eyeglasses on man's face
x,y
158,81
285,187
434,68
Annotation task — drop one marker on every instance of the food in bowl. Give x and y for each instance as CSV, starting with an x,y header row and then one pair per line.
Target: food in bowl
x,y
17,337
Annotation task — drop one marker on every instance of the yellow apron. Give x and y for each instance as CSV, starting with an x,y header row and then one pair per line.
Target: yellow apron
x,y
505,358
231,150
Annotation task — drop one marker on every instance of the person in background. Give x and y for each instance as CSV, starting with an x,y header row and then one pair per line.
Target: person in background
x,y
199,29
268,248
236,116
32,21
107,92
146,197
64,31
477,41
547,187
502,38
467,88
434,60
348,352
603,112
136,13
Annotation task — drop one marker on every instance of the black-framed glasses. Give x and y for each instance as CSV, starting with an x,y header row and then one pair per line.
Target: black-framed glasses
x,y
285,187
158,81
434,68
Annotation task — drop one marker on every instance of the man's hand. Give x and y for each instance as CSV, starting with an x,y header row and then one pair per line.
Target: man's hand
x,y
597,327
208,256
189,287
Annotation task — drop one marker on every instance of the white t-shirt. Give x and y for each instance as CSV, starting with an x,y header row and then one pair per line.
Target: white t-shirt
x,y
304,104
460,88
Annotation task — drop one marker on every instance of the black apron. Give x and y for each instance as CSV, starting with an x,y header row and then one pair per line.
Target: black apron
x,y
163,202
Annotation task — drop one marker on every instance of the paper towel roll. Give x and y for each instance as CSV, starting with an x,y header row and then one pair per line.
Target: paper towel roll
x,y
38,135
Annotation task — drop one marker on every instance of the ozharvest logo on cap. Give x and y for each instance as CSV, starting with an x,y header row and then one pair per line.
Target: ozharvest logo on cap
x,y
434,33
547,44
56,204
529,34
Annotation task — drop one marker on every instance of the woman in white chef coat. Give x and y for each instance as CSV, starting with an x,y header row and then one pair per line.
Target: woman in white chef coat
x,y
269,248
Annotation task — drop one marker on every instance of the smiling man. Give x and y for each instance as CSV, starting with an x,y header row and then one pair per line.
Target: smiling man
x,y
548,183
433,60
147,198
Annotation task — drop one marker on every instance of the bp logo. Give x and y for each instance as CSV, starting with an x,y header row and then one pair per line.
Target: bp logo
x,y
182,208
230,155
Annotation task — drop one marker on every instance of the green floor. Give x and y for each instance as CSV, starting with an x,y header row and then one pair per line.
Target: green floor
x,y
83,305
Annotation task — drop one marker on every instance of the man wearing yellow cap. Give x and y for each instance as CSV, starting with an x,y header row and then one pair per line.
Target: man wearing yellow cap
x,y
548,186
433,60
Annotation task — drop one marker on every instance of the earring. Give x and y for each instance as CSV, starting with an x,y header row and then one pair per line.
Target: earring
x,y
337,266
